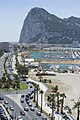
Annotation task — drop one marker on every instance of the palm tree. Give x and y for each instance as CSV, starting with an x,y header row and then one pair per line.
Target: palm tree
x,y
77,105
62,101
58,103
34,94
40,78
52,100
37,88
55,90
41,92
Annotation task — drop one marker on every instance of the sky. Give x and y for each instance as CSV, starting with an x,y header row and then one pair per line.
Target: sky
x,y
13,13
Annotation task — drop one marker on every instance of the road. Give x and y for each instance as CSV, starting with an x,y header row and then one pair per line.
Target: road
x,y
2,60
17,109
14,100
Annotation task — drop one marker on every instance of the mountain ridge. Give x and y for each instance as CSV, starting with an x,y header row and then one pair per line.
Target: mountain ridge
x,y
44,28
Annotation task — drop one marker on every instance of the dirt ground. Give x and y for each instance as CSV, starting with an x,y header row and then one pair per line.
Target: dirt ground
x,y
68,83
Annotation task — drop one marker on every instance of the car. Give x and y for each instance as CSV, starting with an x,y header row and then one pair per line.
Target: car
x,y
38,113
32,91
44,118
66,107
11,108
19,118
30,104
26,109
22,112
22,96
4,118
27,99
29,93
28,82
27,96
22,100
6,102
30,86
32,108
31,97
1,98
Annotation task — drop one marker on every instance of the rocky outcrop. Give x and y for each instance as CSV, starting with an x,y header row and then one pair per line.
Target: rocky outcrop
x,y
43,27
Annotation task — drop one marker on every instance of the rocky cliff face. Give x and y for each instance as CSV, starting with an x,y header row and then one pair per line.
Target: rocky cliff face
x,y
43,27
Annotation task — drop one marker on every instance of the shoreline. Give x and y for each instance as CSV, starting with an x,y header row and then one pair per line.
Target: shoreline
x,y
60,61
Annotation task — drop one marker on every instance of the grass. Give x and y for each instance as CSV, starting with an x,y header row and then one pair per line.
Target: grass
x,y
23,86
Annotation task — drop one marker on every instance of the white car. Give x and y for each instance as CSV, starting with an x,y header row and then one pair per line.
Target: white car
x,y
6,102
11,108
19,118
30,104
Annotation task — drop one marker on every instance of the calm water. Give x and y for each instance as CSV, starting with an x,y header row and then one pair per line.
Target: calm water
x,y
61,66
55,55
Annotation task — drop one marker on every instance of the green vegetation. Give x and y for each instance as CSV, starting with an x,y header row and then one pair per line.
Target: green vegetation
x,y
77,106
22,70
56,100
23,86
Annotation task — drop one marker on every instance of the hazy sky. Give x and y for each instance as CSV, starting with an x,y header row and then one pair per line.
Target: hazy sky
x,y
13,13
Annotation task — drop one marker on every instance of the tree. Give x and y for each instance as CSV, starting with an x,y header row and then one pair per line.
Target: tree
x,y
58,103
37,94
17,83
77,105
40,78
55,90
41,92
22,70
34,94
52,101
62,101
3,78
36,89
